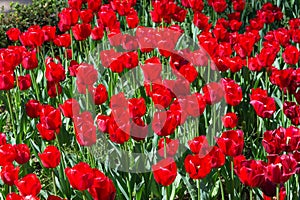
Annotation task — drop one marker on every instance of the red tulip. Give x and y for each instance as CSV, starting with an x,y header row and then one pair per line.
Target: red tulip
x,y
50,158
196,167
217,157
86,16
137,107
29,61
165,123
97,33
291,55
2,139
102,188
49,33
63,40
199,145
33,108
70,108
7,80
103,123
13,34
50,117
29,185
165,171
94,5
171,147
132,19
231,142
55,72
213,92
281,168
233,92
7,154
264,106
24,82
67,18
9,174
22,153
100,94
230,120
85,130
251,172
81,31
14,196
81,176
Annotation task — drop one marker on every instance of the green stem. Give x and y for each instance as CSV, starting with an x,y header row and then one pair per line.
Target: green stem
x,y
83,195
221,185
251,194
199,189
54,185
278,192
11,114
232,178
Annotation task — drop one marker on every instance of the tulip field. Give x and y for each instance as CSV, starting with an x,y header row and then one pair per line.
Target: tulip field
x,y
153,99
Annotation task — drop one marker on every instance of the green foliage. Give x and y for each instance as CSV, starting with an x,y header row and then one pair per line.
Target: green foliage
x,y
40,12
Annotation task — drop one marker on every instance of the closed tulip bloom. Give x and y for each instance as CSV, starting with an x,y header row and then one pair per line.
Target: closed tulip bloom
x,y
165,171
29,185
9,174
81,176
22,153
50,158
231,142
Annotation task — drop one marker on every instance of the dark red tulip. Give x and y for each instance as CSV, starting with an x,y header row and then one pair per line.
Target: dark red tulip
x,y
81,176
22,153
24,82
102,188
94,5
29,185
70,108
251,172
50,158
9,174
196,167
52,197
230,120
76,4
13,34
231,142
33,108
165,171
171,147
281,168
7,80
119,132
263,105
81,31
292,111
73,68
